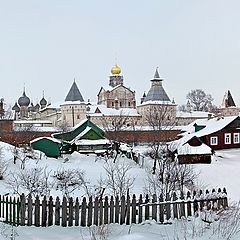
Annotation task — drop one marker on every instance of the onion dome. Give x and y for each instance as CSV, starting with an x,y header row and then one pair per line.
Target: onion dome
x,y
43,102
37,107
116,70
31,108
23,101
16,108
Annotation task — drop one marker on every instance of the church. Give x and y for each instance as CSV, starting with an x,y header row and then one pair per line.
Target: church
x,y
116,108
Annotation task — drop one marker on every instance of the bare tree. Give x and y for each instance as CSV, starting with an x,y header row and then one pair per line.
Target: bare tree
x,y
3,165
199,99
118,181
114,124
68,180
170,177
63,127
34,181
161,118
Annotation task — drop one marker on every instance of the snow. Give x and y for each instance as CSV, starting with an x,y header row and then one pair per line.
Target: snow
x,y
112,111
191,150
212,125
49,138
223,172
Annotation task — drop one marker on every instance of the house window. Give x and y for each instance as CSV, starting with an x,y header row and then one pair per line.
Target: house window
x,y
236,138
129,104
112,104
214,140
227,137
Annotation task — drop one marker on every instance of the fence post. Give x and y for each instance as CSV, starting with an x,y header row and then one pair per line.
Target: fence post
x,y
189,208
96,211
18,211
214,200
90,212
123,205
140,201
50,211
83,212
128,210
161,209
175,206
22,210
37,212
6,210
111,210
106,210
134,212
117,209
64,212
10,210
70,215
44,212
182,206
147,207
29,210
225,200
77,212
195,203
100,211
57,212
168,207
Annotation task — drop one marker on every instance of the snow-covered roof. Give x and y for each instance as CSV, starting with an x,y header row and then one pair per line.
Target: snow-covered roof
x,y
73,103
211,125
184,148
86,130
157,102
32,122
92,142
112,111
187,149
49,138
193,114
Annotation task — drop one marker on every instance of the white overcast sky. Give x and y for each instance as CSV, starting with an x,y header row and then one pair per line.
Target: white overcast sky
x,y
45,44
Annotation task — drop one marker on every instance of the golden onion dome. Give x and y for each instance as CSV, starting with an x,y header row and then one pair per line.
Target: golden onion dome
x,y
116,70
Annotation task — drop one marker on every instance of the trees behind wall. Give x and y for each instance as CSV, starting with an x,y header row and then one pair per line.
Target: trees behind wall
x,y
167,175
199,100
160,118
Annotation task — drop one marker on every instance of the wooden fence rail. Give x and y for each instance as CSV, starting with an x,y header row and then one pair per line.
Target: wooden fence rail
x,y
123,210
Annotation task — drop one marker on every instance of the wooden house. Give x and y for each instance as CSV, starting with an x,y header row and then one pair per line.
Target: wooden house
x,y
85,137
50,146
190,149
218,133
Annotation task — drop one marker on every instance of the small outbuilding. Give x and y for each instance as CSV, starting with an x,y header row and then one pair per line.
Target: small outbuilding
x,y
50,146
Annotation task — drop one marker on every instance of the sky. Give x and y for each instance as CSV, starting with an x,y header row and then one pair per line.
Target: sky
x,y
45,44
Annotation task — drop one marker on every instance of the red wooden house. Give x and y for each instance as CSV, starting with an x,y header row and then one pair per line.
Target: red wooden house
x,y
218,133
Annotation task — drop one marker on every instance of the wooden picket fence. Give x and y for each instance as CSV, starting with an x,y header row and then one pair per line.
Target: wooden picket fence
x,y
125,210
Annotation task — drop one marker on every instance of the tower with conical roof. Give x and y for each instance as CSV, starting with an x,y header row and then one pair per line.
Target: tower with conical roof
x,y
157,103
228,107
73,110
74,94
156,92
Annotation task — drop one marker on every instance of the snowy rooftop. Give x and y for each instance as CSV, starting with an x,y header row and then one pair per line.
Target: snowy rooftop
x,y
193,114
211,125
111,111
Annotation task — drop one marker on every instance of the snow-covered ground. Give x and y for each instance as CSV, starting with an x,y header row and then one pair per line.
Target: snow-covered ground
x,y
223,172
